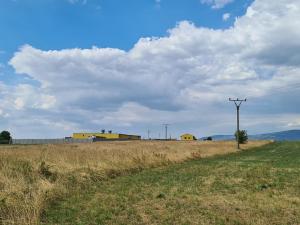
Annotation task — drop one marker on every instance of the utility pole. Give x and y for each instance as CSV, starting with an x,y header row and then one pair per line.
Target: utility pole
x,y
148,134
238,103
166,130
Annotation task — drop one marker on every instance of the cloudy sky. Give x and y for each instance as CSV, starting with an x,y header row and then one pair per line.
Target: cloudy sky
x,y
132,65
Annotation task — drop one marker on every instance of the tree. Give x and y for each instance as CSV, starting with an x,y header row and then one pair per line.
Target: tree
x,y
209,139
5,137
243,136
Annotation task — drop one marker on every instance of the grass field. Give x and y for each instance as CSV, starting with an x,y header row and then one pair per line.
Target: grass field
x,y
34,176
259,186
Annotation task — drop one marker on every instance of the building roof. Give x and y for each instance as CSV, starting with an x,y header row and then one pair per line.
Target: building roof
x,y
186,135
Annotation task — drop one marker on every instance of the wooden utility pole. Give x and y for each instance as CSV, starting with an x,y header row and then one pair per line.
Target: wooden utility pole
x,y
238,103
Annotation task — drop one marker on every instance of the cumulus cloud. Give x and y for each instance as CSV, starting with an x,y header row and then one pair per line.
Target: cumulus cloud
x,y
184,78
217,4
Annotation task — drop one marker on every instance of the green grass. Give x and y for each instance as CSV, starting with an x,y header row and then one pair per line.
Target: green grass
x,y
259,186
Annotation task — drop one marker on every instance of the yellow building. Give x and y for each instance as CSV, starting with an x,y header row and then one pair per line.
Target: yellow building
x,y
188,137
112,136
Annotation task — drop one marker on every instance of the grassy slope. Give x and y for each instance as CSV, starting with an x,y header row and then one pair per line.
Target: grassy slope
x,y
260,186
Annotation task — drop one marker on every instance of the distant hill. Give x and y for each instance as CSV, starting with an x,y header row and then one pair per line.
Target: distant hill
x,y
289,135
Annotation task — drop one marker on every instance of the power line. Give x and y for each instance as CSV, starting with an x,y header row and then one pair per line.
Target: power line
x,y
238,103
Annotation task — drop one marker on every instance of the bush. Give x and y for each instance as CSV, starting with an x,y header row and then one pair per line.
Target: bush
x,y
5,137
243,136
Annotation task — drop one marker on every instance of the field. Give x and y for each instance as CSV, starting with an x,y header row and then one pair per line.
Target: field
x,y
259,186
51,184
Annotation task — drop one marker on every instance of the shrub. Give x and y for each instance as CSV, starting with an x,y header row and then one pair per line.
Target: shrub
x,y
241,137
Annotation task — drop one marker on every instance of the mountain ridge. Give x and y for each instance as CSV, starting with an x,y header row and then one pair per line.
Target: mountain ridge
x,y
288,135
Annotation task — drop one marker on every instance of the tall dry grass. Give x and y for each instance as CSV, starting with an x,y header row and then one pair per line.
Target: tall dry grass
x,y
34,175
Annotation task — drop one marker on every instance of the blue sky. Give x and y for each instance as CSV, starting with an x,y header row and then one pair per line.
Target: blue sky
x,y
123,61
60,24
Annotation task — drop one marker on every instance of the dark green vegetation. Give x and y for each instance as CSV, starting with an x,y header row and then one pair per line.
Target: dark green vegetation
x,y
259,186
241,136
5,137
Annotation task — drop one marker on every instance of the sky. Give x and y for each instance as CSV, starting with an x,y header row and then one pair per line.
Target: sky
x,y
132,65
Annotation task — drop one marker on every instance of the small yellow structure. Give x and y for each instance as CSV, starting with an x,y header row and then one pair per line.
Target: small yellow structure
x,y
188,137
109,136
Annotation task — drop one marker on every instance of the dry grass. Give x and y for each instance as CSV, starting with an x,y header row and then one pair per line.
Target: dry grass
x,y
31,176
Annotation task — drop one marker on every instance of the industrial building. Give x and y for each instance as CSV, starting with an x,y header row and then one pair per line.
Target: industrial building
x,y
188,137
106,136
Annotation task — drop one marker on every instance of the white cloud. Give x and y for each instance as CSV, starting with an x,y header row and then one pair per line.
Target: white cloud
x,y
226,16
217,4
184,78
294,123
23,97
